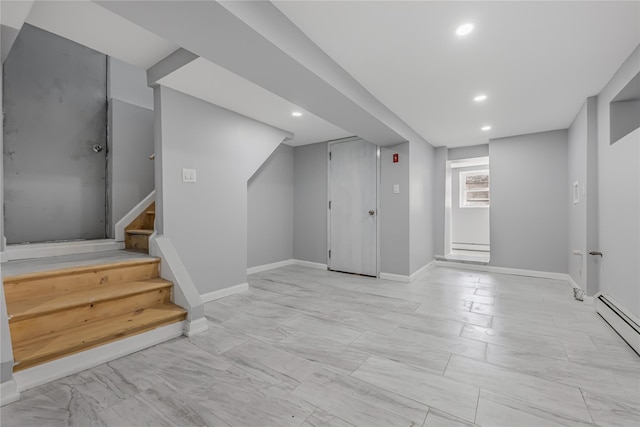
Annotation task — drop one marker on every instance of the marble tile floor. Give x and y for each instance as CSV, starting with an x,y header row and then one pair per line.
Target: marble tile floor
x,y
306,347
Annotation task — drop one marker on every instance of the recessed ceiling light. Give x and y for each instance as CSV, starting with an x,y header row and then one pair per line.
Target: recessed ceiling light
x,y
485,128
464,29
296,114
480,98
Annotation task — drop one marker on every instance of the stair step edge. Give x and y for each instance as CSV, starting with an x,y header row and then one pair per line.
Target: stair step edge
x,y
78,270
123,291
173,314
139,232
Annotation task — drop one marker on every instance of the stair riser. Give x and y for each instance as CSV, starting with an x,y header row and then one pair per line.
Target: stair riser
x,y
137,242
27,329
56,285
91,342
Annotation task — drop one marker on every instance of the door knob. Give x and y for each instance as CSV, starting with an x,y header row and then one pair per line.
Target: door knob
x,y
595,253
372,212
97,148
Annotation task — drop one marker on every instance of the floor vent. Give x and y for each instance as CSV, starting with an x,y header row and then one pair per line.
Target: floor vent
x,y
625,325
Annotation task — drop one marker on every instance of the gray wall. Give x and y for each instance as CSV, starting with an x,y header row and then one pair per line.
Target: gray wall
x,y
270,210
394,211
528,201
130,169
470,152
207,221
129,84
619,198
440,158
310,177
55,111
130,139
420,204
468,225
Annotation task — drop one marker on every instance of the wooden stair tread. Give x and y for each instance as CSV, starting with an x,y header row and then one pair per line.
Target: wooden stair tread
x,y
140,232
90,335
38,306
78,270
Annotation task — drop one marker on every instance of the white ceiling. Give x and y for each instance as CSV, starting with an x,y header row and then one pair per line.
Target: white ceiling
x,y
210,82
537,61
93,26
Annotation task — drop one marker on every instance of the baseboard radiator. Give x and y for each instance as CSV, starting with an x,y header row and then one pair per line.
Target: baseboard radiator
x,y
624,324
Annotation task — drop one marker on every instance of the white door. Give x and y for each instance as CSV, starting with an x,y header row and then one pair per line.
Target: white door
x,y
353,212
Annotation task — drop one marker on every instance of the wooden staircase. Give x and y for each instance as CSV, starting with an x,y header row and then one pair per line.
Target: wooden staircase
x,y
136,234
57,313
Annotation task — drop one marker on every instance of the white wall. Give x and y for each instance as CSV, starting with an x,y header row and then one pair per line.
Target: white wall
x,y
421,204
207,221
469,152
394,215
619,198
529,201
270,210
469,225
310,176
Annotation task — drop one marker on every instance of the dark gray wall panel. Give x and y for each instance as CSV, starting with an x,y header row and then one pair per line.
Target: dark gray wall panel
x,y
55,112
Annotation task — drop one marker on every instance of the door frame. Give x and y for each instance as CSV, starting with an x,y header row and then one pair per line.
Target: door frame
x,y
329,145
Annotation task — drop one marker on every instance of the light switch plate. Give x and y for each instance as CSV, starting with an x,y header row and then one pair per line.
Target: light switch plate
x,y
396,188
188,175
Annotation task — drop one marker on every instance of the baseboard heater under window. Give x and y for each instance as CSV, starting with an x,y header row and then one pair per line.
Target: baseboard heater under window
x,y
626,326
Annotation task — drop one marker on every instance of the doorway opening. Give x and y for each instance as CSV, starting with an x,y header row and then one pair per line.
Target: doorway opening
x,y
468,201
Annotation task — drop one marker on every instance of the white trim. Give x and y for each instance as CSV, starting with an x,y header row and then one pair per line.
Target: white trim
x,y
395,277
310,264
195,327
630,335
421,270
221,293
587,300
44,250
504,270
9,392
133,214
265,267
56,369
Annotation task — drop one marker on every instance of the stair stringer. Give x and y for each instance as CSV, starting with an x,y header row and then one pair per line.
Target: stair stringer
x,y
185,293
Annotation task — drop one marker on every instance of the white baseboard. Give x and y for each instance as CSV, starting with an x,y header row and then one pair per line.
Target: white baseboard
x,y
310,264
44,250
195,327
265,267
56,369
395,277
617,322
421,270
9,392
212,296
504,270
586,299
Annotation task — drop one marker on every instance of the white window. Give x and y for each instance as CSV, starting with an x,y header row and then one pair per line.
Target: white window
x,y
474,189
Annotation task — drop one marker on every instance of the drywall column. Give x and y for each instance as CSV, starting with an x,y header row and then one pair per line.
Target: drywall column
x,y
270,210
394,211
421,177
619,196
582,221
206,221
439,177
528,202
310,177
